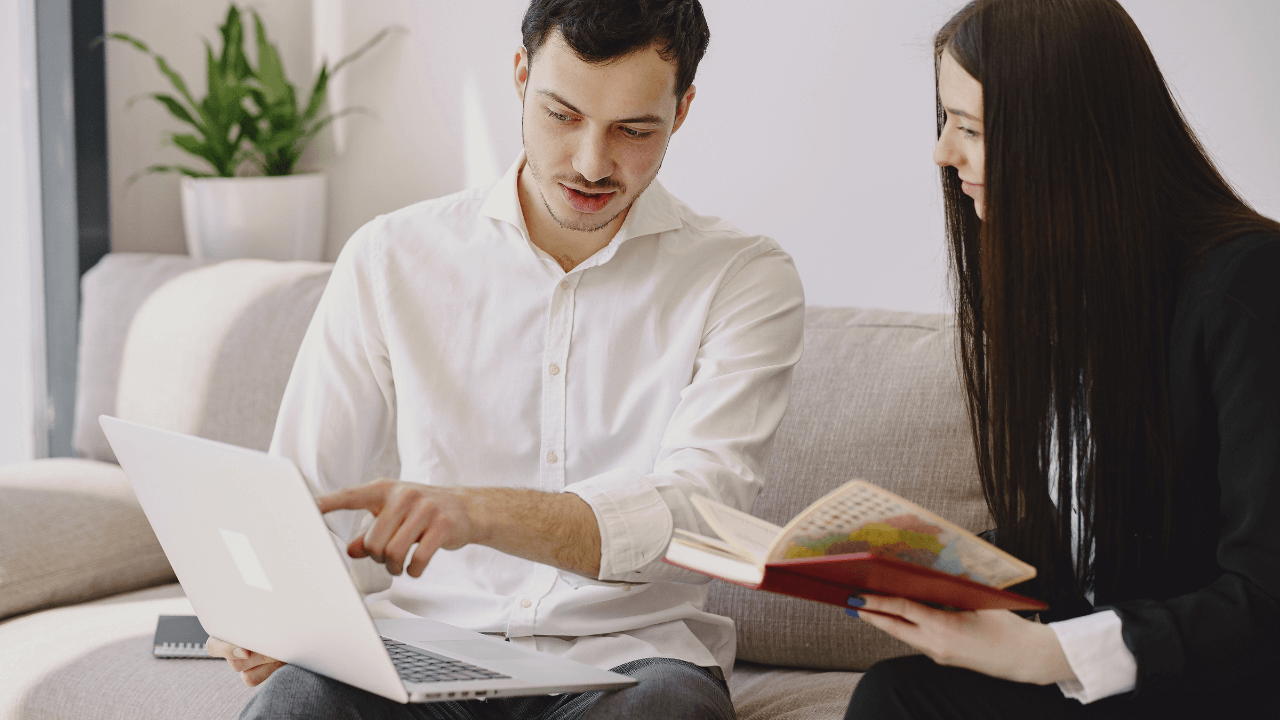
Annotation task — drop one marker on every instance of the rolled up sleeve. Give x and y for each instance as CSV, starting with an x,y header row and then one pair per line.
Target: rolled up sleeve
x,y
718,440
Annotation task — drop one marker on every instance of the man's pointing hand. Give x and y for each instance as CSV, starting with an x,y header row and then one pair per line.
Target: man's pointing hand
x,y
406,514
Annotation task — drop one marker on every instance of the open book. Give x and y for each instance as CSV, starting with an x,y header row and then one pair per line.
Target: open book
x,y
857,539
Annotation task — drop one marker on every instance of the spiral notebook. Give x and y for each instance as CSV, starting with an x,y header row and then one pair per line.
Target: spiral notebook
x,y
179,636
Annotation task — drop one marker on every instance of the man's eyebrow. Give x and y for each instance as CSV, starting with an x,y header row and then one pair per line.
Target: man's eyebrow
x,y
953,111
642,120
562,101
650,119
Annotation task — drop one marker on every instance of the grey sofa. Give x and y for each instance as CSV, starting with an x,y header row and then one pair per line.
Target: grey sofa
x,y
207,350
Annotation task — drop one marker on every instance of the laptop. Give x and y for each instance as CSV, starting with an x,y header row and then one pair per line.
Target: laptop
x,y
262,571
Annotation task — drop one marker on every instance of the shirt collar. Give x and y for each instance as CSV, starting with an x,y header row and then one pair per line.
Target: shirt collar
x,y
655,211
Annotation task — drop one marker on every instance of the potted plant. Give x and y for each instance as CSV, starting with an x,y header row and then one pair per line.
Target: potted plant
x,y
251,129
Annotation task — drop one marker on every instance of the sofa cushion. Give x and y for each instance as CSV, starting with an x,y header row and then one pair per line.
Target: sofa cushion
x,y
94,661
110,294
209,353
761,692
71,530
876,396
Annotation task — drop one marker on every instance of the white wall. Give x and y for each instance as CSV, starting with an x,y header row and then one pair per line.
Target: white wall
x,y
21,357
815,126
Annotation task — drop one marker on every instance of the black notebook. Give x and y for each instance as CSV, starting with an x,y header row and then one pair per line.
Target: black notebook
x,y
179,636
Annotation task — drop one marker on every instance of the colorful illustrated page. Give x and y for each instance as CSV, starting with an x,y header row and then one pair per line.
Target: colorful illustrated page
x,y
861,517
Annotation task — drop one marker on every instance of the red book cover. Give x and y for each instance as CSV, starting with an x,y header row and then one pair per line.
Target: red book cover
x,y
833,578
858,539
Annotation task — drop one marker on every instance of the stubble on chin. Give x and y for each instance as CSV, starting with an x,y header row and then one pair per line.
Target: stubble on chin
x,y
581,226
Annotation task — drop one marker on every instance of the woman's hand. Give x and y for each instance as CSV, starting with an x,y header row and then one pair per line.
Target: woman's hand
x,y
254,668
993,642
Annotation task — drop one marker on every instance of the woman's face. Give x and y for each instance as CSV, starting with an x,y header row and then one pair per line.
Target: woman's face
x,y
961,144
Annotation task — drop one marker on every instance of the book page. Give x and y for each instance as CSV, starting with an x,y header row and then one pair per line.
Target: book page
x,y
747,533
861,517
697,555
709,544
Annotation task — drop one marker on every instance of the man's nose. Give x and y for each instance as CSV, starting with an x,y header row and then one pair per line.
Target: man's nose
x,y
593,159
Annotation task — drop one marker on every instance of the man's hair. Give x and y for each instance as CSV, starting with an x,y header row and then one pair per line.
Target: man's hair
x,y
600,31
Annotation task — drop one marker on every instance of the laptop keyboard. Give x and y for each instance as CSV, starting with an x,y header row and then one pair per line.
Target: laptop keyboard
x,y
418,665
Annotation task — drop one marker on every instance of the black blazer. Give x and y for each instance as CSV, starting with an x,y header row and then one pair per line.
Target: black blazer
x,y
1211,627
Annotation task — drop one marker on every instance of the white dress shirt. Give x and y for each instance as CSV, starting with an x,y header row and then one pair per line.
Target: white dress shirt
x,y
448,349
1095,649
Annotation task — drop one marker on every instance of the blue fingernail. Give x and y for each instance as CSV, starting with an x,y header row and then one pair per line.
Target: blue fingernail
x,y
851,613
855,601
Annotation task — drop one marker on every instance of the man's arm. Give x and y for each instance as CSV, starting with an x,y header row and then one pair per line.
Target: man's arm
x,y
553,529
717,441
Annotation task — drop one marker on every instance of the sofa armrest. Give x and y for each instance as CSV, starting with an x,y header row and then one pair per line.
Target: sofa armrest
x,y
70,531
111,294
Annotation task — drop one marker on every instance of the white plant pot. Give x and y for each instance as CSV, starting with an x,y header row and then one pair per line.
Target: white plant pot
x,y
276,218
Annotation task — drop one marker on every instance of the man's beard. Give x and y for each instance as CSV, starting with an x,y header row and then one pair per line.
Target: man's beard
x,y
606,184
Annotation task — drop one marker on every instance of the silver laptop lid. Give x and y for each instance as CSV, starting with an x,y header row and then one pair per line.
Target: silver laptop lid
x,y
253,554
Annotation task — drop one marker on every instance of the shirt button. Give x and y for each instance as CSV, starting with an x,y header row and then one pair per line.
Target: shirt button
x,y
526,603
564,284
551,458
626,588
554,369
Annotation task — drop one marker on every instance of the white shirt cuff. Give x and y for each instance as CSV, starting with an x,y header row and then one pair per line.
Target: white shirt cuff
x,y
1095,649
635,523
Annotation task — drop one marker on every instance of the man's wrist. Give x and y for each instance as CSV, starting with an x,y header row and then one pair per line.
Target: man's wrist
x,y
480,506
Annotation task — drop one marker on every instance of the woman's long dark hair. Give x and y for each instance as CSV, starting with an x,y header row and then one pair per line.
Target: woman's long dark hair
x,y
1099,200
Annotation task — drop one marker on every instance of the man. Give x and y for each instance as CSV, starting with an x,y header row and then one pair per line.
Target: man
x,y
556,364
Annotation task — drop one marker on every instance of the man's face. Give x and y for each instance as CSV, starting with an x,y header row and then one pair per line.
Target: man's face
x,y
595,135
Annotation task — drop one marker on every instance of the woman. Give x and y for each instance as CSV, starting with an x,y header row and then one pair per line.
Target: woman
x,y
1120,339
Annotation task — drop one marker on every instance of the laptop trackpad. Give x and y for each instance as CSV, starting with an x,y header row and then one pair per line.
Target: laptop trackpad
x,y
476,649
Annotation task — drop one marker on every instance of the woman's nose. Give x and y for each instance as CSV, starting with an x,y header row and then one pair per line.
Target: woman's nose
x,y
944,151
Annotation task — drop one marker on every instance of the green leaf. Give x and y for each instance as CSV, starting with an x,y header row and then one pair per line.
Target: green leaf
x,y
131,40
153,169
249,128
174,78
282,165
176,109
281,116
361,50
324,122
222,123
318,94
178,83
258,98
270,130
212,74
280,142
232,30
270,72
199,148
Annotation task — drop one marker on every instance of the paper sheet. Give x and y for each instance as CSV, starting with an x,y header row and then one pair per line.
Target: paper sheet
x,y
749,534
